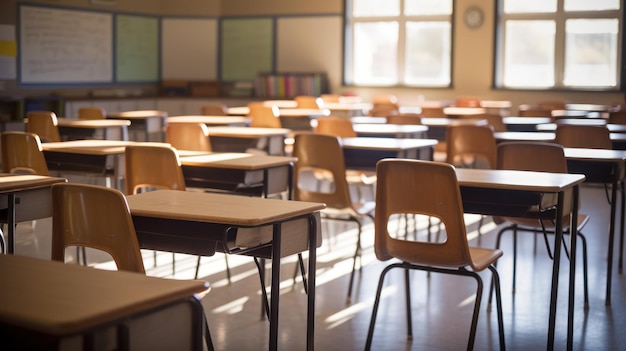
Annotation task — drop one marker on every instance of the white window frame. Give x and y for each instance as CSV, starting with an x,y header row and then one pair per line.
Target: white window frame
x,y
402,20
560,17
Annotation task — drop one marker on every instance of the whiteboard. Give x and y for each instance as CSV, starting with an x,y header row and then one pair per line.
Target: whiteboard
x,y
247,48
189,49
136,49
65,46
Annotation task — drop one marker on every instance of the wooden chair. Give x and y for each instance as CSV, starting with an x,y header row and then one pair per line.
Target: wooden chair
x,y
311,102
467,102
313,152
471,146
617,117
263,116
188,136
22,153
540,157
104,223
494,120
331,97
526,110
341,127
214,109
428,188
382,109
91,113
44,124
584,136
404,118
433,112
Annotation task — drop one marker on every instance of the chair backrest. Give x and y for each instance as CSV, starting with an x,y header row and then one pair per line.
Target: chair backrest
x,y
420,187
433,112
330,97
97,217
264,116
22,153
188,136
337,126
617,117
494,120
475,143
382,109
584,136
44,124
91,113
467,102
214,109
404,118
153,166
552,105
532,156
308,102
320,152
526,110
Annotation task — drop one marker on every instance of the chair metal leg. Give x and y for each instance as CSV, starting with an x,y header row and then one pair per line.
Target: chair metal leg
x,y
260,264
409,320
370,331
496,278
357,254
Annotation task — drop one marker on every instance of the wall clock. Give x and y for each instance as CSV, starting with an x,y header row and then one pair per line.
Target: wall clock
x,y
473,17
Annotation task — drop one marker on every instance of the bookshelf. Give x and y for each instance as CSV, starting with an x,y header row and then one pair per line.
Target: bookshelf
x,y
289,85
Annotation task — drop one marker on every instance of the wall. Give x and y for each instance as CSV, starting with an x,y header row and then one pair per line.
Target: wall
x,y
472,64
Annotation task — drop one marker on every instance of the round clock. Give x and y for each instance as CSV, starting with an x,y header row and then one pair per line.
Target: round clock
x,y
473,17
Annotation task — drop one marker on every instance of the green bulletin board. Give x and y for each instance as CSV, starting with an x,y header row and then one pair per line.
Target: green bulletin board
x,y
136,49
247,48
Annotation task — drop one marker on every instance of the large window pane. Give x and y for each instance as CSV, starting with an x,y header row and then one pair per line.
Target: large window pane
x,y
428,53
591,52
427,7
529,54
375,53
529,6
375,8
589,5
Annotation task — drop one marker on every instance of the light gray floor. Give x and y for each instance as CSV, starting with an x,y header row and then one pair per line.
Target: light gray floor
x,y
441,304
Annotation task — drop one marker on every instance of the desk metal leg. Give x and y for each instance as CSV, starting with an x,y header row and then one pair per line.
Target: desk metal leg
x,y
558,237
310,330
572,269
621,234
609,268
11,224
275,292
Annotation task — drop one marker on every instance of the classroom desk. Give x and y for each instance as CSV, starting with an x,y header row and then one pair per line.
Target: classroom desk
x,y
215,121
368,120
203,223
362,153
497,107
613,128
44,305
347,109
524,124
300,118
24,198
149,122
103,158
391,130
618,139
437,126
240,172
604,167
241,139
78,129
511,193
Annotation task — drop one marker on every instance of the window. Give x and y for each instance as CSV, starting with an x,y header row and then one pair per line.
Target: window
x,y
569,44
398,42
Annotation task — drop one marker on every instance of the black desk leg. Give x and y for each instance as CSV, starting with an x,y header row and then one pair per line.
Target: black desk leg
x,y
310,330
558,238
572,269
275,287
11,224
609,268
621,235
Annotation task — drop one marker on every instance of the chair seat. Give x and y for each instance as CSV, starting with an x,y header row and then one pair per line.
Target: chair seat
x,y
482,258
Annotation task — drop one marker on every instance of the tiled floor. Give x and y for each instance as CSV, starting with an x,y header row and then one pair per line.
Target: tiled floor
x,y
441,308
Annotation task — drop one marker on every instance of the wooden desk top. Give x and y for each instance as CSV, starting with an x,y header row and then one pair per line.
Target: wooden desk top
x,y
303,112
12,182
211,120
63,299
391,144
235,160
138,114
600,155
389,128
247,132
368,120
444,122
614,128
93,147
543,136
463,111
518,180
92,123
526,120
218,208
588,107
348,106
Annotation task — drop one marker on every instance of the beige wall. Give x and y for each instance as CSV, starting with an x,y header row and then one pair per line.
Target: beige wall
x,y
472,63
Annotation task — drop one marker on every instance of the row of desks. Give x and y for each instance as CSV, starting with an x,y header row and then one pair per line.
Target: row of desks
x,y
213,222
